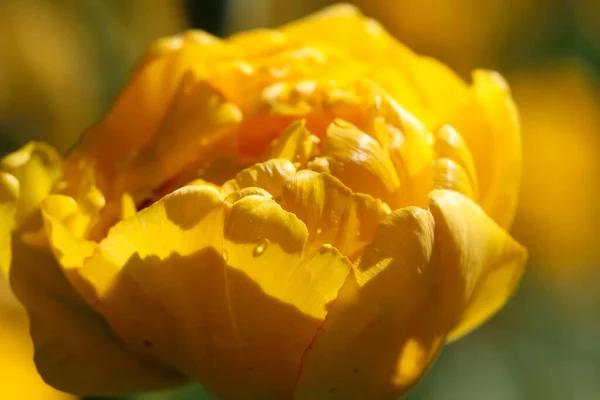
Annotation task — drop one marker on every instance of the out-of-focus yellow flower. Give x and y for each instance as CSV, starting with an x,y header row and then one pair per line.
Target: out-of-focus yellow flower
x,y
558,214
52,63
284,214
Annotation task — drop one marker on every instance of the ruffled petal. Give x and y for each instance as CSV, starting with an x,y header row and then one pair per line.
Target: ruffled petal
x,y
295,144
333,214
136,114
360,162
482,264
214,277
437,87
450,144
198,126
489,124
384,328
447,174
269,175
37,167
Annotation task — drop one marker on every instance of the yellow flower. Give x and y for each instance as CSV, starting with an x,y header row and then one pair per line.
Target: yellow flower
x,y
564,242
283,214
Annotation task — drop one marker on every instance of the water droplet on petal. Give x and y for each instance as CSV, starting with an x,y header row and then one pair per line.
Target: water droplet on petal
x,y
225,255
319,231
326,248
260,248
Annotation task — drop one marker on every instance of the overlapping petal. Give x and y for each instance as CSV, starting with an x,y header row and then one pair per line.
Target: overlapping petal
x,y
282,214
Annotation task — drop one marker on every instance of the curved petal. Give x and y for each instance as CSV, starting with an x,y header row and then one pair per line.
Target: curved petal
x,y
489,124
37,168
295,144
385,327
234,303
74,349
333,214
135,116
482,264
199,125
9,194
437,87
26,177
269,175
447,174
360,162
449,144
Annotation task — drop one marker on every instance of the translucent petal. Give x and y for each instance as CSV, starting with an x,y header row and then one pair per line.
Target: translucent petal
x,y
447,174
136,114
37,168
360,162
233,300
333,214
295,144
482,264
269,175
489,124
449,144
384,328
198,125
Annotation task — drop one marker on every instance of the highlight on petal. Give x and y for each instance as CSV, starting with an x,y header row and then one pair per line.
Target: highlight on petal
x,y
438,88
385,327
410,149
269,175
37,168
489,124
215,277
333,214
447,174
360,162
295,144
482,264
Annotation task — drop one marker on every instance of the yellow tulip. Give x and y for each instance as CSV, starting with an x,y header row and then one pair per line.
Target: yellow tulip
x,y
287,213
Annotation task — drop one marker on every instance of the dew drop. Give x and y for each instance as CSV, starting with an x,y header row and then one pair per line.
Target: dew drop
x,y
260,248
225,255
319,231
326,248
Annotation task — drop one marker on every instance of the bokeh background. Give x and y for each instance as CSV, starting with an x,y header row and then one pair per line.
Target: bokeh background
x,y
63,61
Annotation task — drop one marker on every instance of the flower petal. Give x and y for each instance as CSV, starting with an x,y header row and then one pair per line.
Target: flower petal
x,y
269,175
447,174
449,144
9,195
198,121
37,168
360,162
295,144
74,350
266,244
135,116
437,86
489,124
384,328
233,303
482,263
333,214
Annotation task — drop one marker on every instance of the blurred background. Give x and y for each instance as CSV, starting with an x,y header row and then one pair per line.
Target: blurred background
x,y
63,62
